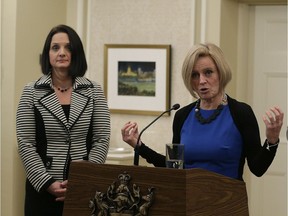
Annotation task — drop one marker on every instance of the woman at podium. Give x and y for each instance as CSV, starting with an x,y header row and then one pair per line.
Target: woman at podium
x,y
218,132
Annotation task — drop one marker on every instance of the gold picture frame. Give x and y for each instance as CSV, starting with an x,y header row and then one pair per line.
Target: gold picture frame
x,y
137,78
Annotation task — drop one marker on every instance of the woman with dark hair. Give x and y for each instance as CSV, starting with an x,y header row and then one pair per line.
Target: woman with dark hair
x,y
219,133
61,117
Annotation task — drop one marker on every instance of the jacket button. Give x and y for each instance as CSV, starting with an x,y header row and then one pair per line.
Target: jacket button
x,y
48,163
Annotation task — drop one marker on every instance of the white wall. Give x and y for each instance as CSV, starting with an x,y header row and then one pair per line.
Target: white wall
x,y
7,115
0,89
143,22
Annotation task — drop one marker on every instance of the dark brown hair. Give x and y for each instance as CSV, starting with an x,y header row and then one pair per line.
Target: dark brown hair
x,y
78,65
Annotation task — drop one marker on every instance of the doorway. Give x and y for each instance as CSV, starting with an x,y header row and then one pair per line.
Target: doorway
x,y
268,87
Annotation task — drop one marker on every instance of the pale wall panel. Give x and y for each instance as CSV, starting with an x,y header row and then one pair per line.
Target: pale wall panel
x,y
142,22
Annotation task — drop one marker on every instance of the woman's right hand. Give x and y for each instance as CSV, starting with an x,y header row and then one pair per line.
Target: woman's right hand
x,y
130,133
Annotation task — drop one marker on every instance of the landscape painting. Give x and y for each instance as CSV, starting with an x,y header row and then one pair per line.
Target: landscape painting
x,y
137,78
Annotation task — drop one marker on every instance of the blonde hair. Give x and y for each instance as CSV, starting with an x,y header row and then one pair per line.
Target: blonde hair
x,y
201,50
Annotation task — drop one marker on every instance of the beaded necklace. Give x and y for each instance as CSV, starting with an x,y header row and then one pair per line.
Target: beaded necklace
x,y
62,90
214,115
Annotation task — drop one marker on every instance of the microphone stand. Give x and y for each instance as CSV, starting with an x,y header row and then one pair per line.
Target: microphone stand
x,y
136,149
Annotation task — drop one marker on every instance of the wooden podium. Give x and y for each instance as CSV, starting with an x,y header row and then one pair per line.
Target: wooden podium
x,y
175,192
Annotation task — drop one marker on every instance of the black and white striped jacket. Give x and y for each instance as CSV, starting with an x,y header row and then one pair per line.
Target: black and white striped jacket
x,y
46,148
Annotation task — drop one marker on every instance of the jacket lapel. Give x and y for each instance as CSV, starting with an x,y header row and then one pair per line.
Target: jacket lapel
x,y
81,95
78,104
51,103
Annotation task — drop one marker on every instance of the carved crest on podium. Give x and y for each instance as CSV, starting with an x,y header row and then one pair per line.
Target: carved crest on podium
x,y
122,198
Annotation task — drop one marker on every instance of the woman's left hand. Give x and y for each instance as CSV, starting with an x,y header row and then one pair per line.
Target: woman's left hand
x,y
273,121
62,191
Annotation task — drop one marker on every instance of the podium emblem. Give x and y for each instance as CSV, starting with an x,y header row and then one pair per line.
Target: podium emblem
x,y
122,198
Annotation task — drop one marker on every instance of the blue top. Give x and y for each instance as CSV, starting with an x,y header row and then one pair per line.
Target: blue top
x,y
258,157
219,149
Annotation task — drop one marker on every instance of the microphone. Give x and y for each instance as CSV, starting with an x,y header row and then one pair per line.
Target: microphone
x,y
136,150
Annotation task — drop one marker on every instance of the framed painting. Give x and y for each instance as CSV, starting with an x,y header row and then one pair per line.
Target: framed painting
x,y
137,78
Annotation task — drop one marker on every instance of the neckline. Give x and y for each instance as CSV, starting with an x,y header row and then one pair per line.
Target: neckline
x,y
211,118
215,113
